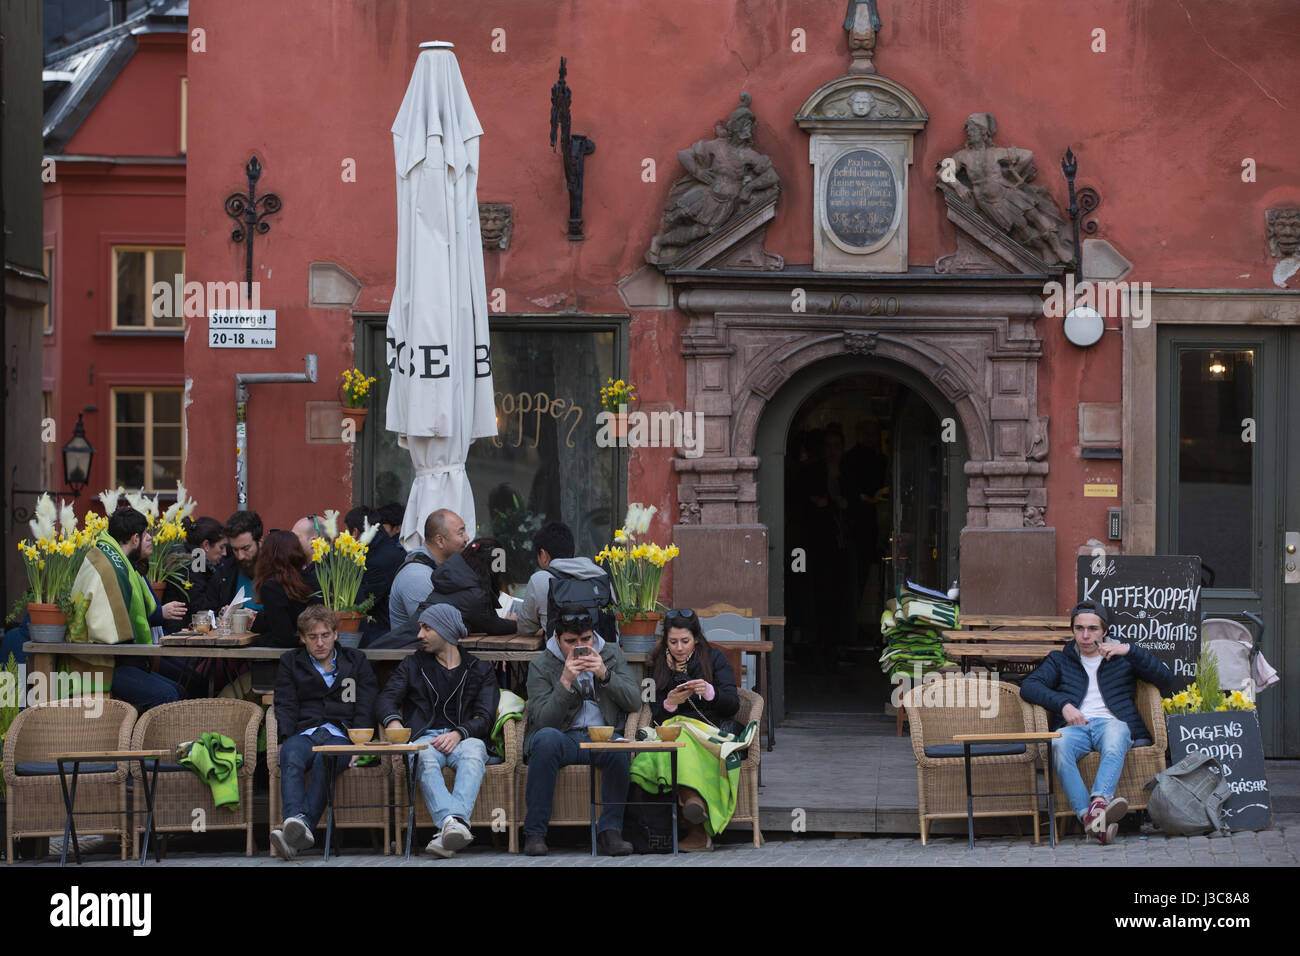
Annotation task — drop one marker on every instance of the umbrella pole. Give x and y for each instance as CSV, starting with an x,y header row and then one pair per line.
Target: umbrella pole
x,y
242,381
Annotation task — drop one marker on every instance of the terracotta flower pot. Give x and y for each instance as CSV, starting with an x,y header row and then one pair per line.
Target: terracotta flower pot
x,y
640,624
158,587
349,622
47,615
358,416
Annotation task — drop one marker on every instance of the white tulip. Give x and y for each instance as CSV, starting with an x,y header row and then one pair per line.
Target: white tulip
x,y
331,523
43,524
633,517
67,518
643,524
109,499
368,531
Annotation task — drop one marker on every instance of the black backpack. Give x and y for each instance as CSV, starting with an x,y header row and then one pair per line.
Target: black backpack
x,y
595,594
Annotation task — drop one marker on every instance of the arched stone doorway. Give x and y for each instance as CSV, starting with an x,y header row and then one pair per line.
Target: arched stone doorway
x,y
968,341
832,596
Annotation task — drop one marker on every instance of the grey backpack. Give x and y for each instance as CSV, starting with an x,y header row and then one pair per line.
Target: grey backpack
x,y
1188,795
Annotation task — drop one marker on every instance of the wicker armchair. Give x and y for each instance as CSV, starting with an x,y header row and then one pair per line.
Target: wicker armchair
x,y
497,792
572,801
358,785
1140,765
751,709
941,780
35,801
180,791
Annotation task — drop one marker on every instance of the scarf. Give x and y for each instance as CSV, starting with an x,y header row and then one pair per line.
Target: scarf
x,y
133,588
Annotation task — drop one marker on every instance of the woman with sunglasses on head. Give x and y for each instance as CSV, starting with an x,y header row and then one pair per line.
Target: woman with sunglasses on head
x,y
694,681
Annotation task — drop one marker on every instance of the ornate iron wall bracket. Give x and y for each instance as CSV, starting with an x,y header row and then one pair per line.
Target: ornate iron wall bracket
x,y
573,150
1082,203
250,210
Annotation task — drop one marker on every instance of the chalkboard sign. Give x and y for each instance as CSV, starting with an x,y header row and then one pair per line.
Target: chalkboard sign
x,y
861,198
1232,737
1154,602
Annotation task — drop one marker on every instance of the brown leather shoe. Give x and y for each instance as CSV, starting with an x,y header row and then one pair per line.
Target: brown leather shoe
x,y
696,839
694,809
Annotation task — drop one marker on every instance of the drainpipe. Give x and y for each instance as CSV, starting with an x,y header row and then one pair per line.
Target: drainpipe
x,y
242,381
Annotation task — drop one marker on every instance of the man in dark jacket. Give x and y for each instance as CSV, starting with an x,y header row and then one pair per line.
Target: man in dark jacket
x,y
579,681
1088,690
321,691
449,699
244,536
383,557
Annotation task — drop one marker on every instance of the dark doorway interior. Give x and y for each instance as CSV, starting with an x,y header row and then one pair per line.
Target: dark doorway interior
x,y
865,502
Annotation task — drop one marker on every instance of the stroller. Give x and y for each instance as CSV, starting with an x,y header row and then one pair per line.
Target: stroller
x,y
1241,665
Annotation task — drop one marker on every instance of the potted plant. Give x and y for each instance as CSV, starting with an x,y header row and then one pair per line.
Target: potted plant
x,y
1204,695
52,561
340,561
615,398
169,557
355,392
636,570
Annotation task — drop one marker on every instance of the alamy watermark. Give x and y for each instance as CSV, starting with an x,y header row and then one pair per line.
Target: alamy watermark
x,y
1114,300
197,299
978,690
624,429
62,689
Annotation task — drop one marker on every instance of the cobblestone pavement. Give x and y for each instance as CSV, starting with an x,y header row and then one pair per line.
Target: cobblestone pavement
x,y
1279,846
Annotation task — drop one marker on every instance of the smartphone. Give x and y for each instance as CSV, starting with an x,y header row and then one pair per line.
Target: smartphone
x,y
582,650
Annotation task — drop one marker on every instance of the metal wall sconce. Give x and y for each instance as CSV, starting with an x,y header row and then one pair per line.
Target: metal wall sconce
x,y
573,150
244,209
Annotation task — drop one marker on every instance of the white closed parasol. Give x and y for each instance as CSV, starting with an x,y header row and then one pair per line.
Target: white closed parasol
x,y
441,395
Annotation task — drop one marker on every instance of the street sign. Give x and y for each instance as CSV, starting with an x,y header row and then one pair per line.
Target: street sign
x,y
242,329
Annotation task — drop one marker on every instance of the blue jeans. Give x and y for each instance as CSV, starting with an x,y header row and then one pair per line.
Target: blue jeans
x,y
296,759
467,761
142,689
1108,735
553,749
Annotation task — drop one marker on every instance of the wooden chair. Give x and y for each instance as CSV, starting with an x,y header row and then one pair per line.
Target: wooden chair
x,y
180,791
497,791
35,805
571,805
1140,765
751,708
940,769
358,785
721,607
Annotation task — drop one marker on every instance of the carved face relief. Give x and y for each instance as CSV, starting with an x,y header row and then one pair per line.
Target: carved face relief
x,y
1283,226
861,103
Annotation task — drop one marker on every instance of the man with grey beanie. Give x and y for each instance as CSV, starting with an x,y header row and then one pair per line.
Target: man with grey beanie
x,y
449,699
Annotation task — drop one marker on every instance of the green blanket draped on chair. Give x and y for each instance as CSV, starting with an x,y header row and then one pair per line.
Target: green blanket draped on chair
x,y
709,763
214,759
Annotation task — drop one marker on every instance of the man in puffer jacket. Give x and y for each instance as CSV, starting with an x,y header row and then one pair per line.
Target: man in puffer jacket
x,y
1088,690
449,699
464,582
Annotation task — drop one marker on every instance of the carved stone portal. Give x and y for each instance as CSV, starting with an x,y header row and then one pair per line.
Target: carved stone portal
x,y
725,177
995,180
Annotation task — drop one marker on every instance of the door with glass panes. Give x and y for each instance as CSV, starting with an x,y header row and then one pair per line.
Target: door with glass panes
x,y
1229,489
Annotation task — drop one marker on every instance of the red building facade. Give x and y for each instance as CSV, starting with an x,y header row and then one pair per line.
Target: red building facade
x,y
1179,123
115,225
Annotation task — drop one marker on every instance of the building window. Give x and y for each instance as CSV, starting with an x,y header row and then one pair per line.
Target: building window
x,y
185,113
49,306
135,270
148,438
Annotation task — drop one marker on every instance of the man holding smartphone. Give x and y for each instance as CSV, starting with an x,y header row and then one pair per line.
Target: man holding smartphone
x,y
580,681
1088,690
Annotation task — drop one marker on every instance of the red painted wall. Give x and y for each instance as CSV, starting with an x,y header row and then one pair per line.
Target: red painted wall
x,y
1160,121
89,208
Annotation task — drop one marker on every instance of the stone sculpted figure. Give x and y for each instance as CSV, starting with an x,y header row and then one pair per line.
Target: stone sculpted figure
x,y
724,176
996,181
862,23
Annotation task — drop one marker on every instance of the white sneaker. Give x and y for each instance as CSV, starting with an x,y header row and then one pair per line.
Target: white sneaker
x,y
282,846
436,848
297,833
455,835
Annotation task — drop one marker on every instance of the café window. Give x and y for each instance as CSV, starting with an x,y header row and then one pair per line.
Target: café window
x,y
48,323
148,438
135,270
544,464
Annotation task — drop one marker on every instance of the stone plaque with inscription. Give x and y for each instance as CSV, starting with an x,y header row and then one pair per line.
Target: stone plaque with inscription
x,y
862,129
861,199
